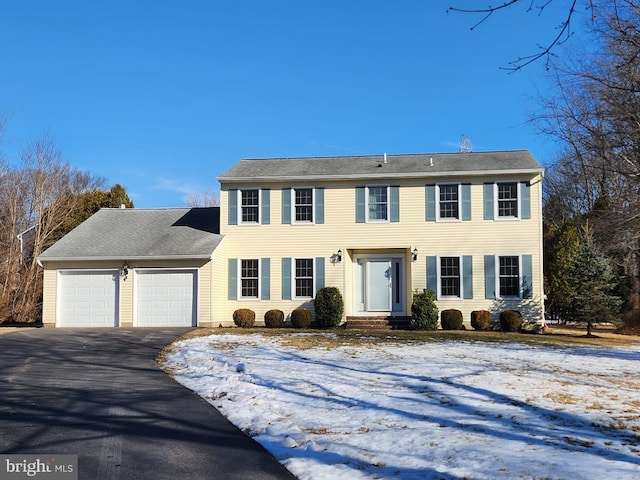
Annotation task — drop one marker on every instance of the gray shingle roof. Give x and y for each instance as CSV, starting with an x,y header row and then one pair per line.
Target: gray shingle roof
x,y
373,166
114,233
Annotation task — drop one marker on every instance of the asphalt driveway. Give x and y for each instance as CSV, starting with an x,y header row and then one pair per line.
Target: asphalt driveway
x,y
97,393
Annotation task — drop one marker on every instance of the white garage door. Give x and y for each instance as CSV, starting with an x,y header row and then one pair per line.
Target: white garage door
x,y
88,299
165,298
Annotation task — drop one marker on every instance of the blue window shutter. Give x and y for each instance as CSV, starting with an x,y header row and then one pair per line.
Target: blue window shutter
x,y
527,277
286,206
265,279
360,204
489,276
466,201
467,276
232,197
233,279
432,274
319,205
488,201
430,203
266,206
319,273
525,200
394,212
286,278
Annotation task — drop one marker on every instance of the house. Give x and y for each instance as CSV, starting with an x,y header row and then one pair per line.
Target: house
x,y
466,225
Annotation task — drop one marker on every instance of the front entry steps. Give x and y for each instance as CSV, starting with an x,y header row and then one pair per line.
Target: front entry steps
x,y
381,322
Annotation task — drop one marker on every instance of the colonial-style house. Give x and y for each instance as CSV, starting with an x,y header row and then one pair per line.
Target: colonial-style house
x,y
466,225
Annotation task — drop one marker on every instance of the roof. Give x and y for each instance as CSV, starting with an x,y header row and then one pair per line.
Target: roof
x,y
374,166
134,234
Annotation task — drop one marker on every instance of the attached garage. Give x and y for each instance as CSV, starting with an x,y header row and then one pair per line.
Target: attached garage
x,y
165,298
134,268
88,298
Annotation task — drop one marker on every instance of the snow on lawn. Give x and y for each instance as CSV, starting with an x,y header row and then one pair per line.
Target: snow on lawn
x,y
424,410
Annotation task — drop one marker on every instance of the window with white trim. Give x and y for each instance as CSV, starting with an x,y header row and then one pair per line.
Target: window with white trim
x,y
450,277
303,273
449,202
507,200
249,278
250,206
378,203
303,205
509,276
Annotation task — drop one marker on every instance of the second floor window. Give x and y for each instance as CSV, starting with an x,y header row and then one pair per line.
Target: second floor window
x,y
508,200
450,276
303,201
250,206
449,202
509,276
304,277
249,278
378,203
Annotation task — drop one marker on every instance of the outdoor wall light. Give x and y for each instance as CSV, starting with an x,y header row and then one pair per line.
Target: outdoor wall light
x,y
124,271
337,257
414,254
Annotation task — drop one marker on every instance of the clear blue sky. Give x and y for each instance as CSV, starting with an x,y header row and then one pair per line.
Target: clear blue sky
x,y
163,96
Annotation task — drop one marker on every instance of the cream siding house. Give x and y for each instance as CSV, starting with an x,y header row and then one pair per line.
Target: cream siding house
x,y
467,226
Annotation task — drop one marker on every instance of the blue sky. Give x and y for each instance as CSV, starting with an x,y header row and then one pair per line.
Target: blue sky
x,y
163,96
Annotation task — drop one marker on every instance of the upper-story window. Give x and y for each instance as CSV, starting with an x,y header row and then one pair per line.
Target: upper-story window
x,y
508,200
449,202
303,205
250,206
378,203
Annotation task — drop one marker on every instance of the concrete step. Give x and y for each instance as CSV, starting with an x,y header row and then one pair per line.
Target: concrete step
x,y
381,322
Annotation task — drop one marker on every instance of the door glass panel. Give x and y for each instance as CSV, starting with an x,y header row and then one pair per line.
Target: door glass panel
x,y
379,285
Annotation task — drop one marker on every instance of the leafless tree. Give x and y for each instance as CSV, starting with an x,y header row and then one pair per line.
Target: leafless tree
x,y
208,198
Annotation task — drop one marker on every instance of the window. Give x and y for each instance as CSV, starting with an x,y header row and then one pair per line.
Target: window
x,y
509,276
249,205
378,203
249,278
450,276
449,202
508,200
303,203
304,277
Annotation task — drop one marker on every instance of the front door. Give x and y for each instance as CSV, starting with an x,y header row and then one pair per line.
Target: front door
x,y
379,285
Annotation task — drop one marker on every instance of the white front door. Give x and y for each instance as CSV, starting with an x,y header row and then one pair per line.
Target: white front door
x,y
379,285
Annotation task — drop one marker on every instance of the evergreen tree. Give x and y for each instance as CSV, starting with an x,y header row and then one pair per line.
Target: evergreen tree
x,y
560,248
592,281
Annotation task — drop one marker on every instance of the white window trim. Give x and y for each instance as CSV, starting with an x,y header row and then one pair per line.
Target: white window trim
x,y
438,218
239,276
439,295
496,206
293,278
293,206
497,275
239,203
366,203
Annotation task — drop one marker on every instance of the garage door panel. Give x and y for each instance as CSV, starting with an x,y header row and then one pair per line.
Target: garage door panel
x,y
88,299
166,298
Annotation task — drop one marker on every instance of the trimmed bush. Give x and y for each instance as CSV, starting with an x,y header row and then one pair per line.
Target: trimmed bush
x,y
424,311
451,319
510,321
481,319
244,318
329,307
301,318
274,319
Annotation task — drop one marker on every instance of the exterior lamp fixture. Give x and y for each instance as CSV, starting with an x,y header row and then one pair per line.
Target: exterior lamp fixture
x,y
124,271
339,255
414,254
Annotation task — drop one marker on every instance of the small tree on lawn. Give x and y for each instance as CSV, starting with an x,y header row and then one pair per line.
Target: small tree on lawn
x,y
592,282
424,311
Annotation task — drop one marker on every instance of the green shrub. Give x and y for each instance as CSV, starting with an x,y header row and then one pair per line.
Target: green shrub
x,y
274,319
301,318
451,319
244,318
424,311
481,319
510,321
329,307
